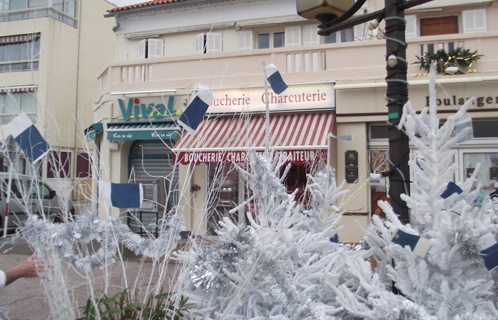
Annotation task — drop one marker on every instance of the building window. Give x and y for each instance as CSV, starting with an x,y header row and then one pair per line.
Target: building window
x,y
245,40
474,21
150,48
83,165
438,26
19,52
311,34
293,36
208,43
59,165
271,40
345,35
13,103
66,6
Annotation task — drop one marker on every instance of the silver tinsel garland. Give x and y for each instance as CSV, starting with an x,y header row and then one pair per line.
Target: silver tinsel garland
x,y
62,238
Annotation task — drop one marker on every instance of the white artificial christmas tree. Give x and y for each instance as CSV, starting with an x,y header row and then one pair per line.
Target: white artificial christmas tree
x,y
282,265
452,280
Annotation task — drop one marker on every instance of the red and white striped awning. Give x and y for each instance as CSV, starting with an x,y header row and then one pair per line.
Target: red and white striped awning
x,y
303,137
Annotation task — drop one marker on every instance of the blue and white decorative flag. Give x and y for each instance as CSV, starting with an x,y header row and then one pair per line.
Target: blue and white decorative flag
x,y
195,111
121,195
334,238
451,188
28,138
489,250
418,244
275,79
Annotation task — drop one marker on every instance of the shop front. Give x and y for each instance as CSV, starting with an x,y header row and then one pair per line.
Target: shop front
x,y
139,140
452,93
298,127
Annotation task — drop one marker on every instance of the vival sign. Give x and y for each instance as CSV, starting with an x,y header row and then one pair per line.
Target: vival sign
x,y
298,97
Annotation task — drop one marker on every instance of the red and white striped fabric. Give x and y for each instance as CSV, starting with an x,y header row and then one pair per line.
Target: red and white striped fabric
x,y
303,137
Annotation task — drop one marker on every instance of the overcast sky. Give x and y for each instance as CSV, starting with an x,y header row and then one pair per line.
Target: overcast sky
x,y
122,3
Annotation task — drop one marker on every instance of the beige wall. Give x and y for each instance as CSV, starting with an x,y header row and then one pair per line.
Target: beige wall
x,y
359,68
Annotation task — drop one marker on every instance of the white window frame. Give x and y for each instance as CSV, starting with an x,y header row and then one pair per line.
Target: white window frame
x,y
310,35
411,26
141,49
214,42
155,48
150,48
209,42
293,36
470,19
245,40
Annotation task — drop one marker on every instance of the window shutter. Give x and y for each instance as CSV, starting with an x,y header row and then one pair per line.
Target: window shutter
x,y
360,32
155,49
141,49
245,40
311,34
411,26
474,20
199,44
214,43
292,36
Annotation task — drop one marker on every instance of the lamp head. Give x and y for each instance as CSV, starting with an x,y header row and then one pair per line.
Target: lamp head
x,y
323,10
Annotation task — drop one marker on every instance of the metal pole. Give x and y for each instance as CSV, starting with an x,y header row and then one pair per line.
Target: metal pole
x,y
397,95
267,120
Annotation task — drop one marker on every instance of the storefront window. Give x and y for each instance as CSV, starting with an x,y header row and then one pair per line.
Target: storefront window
x,y
379,163
487,175
226,191
223,195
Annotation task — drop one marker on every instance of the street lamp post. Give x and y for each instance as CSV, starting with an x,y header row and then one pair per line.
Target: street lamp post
x,y
334,15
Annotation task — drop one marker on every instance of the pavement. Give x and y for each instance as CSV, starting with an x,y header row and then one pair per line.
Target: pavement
x,y
27,299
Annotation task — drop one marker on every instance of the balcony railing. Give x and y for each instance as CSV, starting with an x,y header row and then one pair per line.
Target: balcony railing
x,y
33,13
326,62
19,66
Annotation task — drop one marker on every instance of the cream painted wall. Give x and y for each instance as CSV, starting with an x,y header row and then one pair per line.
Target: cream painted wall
x,y
350,231
356,201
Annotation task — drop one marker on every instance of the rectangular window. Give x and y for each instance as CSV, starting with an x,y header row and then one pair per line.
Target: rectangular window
x,y
208,43
331,38
311,34
292,36
245,40
66,6
83,165
474,20
19,53
411,26
347,35
430,48
16,102
150,48
278,39
59,165
263,41
438,26
271,40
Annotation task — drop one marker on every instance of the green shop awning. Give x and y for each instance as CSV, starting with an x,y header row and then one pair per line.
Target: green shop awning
x,y
142,130
91,132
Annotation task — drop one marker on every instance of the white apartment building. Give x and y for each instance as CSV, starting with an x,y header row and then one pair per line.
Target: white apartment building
x,y
166,48
51,52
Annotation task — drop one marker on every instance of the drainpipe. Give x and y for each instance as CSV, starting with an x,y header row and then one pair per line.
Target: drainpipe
x,y
118,25
75,154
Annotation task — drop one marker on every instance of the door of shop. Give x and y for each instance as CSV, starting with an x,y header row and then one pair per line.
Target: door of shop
x,y
151,163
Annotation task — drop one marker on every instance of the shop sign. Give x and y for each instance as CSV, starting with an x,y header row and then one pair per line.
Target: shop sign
x,y
351,166
133,108
302,97
294,156
454,101
143,135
